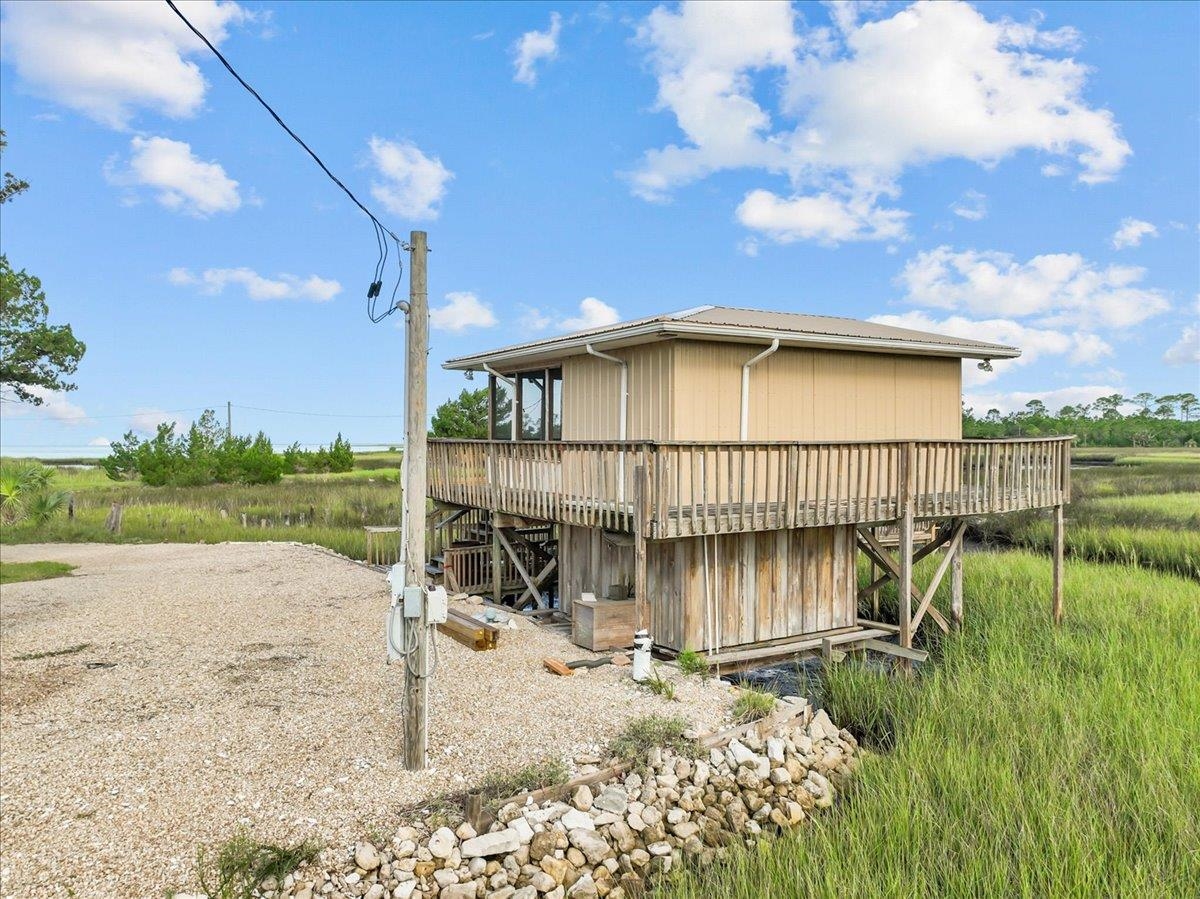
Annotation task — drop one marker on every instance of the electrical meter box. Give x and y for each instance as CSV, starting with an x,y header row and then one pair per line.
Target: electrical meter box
x,y
438,607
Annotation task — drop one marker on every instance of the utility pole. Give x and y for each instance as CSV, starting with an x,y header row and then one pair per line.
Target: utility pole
x,y
416,680
228,420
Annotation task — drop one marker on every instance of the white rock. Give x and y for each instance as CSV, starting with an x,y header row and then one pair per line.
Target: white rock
x,y
442,843
582,798
594,847
660,848
496,843
612,800
404,890
775,749
522,828
366,857
574,818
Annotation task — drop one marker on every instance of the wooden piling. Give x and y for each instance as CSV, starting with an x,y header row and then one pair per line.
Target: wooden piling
x,y
1056,602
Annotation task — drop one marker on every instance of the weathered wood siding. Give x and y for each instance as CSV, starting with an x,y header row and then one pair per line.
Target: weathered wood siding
x,y
802,394
761,586
590,563
592,387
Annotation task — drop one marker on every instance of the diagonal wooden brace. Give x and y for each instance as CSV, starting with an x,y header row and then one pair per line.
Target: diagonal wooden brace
x,y
926,603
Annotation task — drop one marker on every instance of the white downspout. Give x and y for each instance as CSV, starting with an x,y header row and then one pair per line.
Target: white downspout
x,y
592,351
511,382
744,432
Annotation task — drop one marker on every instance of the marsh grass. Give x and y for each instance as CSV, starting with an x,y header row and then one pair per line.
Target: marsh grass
x,y
1028,761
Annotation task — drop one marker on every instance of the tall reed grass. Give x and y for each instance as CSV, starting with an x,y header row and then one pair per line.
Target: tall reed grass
x,y
1025,760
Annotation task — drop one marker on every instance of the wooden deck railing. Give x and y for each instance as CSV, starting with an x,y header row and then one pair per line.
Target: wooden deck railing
x,y
680,489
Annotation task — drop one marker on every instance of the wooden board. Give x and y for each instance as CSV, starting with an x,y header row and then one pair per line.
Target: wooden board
x,y
604,624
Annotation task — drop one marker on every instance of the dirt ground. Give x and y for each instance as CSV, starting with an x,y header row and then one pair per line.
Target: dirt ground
x,y
245,685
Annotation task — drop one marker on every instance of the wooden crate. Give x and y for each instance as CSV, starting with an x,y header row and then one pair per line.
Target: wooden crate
x,y
603,624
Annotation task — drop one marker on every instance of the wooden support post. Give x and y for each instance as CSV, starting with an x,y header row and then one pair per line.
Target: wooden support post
x,y
531,585
904,581
956,583
1057,588
497,564
416,683
642,601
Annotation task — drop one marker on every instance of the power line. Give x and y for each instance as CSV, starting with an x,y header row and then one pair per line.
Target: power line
x,y
313,414
377,282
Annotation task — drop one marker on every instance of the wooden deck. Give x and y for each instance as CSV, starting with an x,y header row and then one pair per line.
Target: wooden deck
x,y
668,490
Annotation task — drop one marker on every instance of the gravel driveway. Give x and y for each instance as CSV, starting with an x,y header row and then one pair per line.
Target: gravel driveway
x,y
245,685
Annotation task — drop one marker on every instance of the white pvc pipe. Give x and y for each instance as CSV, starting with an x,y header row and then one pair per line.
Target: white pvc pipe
x,y
744,432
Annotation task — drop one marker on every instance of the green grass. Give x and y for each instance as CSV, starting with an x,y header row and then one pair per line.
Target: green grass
x,y
692,662
753,704
1028,760
642,734
15,572
234,869
501,784
1167,509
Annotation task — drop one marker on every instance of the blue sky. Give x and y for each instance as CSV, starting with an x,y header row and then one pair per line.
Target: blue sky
x,y
1023,173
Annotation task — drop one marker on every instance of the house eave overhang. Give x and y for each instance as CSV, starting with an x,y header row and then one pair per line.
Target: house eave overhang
x,y
512,358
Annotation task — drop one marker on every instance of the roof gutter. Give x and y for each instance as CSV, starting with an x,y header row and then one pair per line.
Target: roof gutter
x,y
789,338
745,428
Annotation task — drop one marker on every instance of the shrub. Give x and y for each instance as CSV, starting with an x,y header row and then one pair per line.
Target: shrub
x,y
692,662
643,734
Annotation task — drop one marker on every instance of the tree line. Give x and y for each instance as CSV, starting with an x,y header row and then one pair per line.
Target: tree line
x,y
1114,420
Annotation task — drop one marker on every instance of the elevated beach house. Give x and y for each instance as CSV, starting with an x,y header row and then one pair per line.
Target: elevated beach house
x,y
711,475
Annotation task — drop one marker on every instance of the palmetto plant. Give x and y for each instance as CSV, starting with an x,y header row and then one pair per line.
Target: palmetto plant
x,y
25,493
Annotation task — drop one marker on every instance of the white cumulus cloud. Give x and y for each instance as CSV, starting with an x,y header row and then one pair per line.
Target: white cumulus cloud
x,y
532,47
411,184
1186,350
1131,232
842,112
180,180
593,313
54,405
1035,343
258,287
825,218
1059,287
109,59
145,420
461,310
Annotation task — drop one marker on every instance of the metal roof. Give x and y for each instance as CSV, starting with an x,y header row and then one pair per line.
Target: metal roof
x,y
731,324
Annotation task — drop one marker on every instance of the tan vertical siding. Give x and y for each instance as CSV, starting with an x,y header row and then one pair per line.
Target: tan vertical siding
x,y
800,394
591,394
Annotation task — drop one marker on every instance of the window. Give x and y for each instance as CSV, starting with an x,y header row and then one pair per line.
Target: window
x,y
537,399
501,409
531,390
554,413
